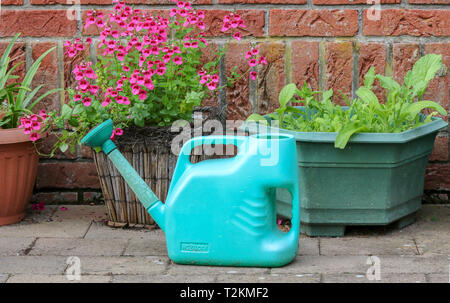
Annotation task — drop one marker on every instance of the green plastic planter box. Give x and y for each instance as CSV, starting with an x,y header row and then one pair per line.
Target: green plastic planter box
x,y
376,180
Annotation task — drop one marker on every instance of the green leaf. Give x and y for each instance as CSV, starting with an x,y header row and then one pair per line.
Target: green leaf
x,y
345,133
257,118
368,96
286,94
415,108
66,111
63,147
369,78
425,69
388,83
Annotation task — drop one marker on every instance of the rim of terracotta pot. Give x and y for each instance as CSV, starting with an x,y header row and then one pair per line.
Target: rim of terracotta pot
x,y
13,135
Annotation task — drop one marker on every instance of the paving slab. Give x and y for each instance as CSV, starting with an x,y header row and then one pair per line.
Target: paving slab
x,y
14,246
78,247
384,278
269,278
308,246
179,269
438,278
431,245
152,244
123,265
165,278
323,264
26,278
3,278
382,245
431,220
32,264
99,230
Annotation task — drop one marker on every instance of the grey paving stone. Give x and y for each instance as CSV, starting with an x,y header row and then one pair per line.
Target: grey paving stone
x,y
14,246
269,278
80,213
308,246
367,246
152,244
164,278
431,245
98,230
431,220
324,264
123,265
56,229
3,278
78,247
26,278
179,269
438,278
384,278
32,265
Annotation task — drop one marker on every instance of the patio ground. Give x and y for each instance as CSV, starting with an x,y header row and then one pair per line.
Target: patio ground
x,y
37,249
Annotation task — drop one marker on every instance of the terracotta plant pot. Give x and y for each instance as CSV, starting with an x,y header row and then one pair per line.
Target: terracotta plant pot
x,y
18,168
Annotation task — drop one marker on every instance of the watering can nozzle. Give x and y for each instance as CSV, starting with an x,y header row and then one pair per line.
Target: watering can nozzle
x,y
100,137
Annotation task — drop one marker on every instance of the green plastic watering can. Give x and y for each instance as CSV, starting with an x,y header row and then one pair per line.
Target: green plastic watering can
x,y
221,211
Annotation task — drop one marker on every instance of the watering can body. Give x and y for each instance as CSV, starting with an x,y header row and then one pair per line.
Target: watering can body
x,y
222,211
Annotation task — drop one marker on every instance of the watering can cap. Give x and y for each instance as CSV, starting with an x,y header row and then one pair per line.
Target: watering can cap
x,y
99,135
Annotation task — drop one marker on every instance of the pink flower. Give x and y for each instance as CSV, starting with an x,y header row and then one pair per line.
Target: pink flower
x,y
226,26
253,75
178,60
211,85
38,206
77,97
252,62
237,36
118,132
87,101
215,78
63,208
142,95
262,60
106,102
34,137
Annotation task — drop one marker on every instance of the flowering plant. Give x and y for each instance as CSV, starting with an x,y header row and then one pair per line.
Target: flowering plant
x,y
149,70
18,100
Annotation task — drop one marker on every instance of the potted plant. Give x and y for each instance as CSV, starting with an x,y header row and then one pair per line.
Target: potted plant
x,y
363,164
149,73
19,127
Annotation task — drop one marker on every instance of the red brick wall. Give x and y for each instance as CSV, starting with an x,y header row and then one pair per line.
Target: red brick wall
x,y
328,43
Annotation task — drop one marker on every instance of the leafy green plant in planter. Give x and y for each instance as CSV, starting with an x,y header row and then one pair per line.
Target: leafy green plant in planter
x,y
19,126
363,164
399,113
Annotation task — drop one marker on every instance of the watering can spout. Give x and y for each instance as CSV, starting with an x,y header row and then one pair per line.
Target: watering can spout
x,y
100,137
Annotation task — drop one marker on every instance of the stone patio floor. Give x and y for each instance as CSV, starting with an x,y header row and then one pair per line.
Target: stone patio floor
x,y
38,248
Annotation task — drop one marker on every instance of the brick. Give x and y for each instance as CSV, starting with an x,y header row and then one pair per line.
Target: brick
x,y
405,56
398,22
108,2
436,176
37,23
440,150
271,77
332,2
305,63
67,175
438,88
55,197
12,2
339,58
238,104
428,2
372,54
17,55
254,21
263,1
47,75
315,23
91,196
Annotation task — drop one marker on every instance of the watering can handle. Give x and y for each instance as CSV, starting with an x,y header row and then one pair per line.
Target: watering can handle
x,y
183,159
